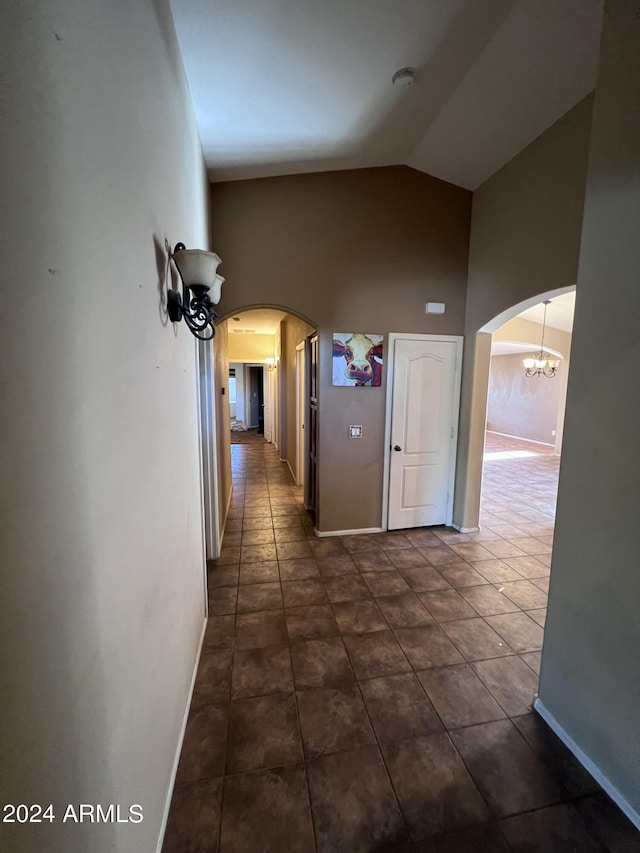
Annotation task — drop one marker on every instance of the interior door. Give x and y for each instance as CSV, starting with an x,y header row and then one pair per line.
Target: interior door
x,y
424,413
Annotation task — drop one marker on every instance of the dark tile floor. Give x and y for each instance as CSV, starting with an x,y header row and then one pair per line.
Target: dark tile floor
x,y
373,693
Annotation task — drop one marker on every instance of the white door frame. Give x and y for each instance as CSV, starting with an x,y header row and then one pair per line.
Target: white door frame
x,y
389,359
300,405
208,451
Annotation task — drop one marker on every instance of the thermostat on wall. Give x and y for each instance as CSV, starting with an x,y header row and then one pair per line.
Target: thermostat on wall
x,y
355,431
434,308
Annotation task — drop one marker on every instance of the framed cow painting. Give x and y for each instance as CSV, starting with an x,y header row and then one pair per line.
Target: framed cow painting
x,y
357,359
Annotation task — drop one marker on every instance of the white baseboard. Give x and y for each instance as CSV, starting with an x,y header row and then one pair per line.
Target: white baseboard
x,y
465,529
618,798
176,759
522,438
355,532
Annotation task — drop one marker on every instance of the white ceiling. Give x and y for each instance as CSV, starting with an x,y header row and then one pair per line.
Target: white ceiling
x,y
559,312
288,86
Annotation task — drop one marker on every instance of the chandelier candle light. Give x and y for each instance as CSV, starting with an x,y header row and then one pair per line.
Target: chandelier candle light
x,y
541,363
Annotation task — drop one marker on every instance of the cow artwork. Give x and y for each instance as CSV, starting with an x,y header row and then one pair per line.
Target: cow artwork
x,y
362,354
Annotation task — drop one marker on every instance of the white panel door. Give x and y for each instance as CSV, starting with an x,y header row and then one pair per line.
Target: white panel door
x,y
424,407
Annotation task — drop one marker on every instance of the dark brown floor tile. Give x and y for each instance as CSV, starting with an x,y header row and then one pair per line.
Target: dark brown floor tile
x,y
359,617
398,707
257,630
233,538
404,611
361,542
202,755
263,732
511,682
459,697
485,838
519,630
509,774
321,663
219,634
471,551
539,615
258,672
333,719
427,646
346,588
311,622
338,564
289,534
294,550
259,523
223,576
294,570
229,555
447,605
525,594
496,571
487,600
571,775
407,558
259,596
541,583
213,679
266,572
461,574
257,553
609,824
258,537
385,583
393,541
372,561
421,538
435,790
534,660
233,524
327,547
529,567
376,654
549,830
300,593
267,811
440,556
194,818
476,640
222,601
424,579
353,804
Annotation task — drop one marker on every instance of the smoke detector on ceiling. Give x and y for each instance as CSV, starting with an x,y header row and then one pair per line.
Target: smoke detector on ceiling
x,y
403,78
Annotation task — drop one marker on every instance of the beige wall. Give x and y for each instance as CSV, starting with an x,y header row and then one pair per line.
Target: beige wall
x,y
101,558
519,405
590,679
525,240
356,250
250,348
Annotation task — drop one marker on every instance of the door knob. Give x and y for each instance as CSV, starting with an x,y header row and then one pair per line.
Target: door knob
x,y
397,447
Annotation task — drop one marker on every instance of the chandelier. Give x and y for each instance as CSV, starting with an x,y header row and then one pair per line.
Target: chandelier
x,y
541,363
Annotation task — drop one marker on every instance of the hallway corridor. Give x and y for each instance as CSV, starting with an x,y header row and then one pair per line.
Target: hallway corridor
x,y
373,693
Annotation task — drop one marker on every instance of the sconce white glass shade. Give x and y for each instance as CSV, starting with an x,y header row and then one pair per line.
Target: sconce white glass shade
x,y
198,267
529,363
216,290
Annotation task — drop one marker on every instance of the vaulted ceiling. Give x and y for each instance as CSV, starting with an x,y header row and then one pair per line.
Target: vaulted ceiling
x,y
289,86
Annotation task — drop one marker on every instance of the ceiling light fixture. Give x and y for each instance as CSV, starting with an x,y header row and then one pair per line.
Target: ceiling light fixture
x,y
541,363
271,363
198,273
403,78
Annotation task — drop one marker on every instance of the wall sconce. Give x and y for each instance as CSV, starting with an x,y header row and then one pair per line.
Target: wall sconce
x,y
271,363
197,270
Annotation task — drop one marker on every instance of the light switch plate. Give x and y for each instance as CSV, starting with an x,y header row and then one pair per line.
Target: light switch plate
x,y
355,431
